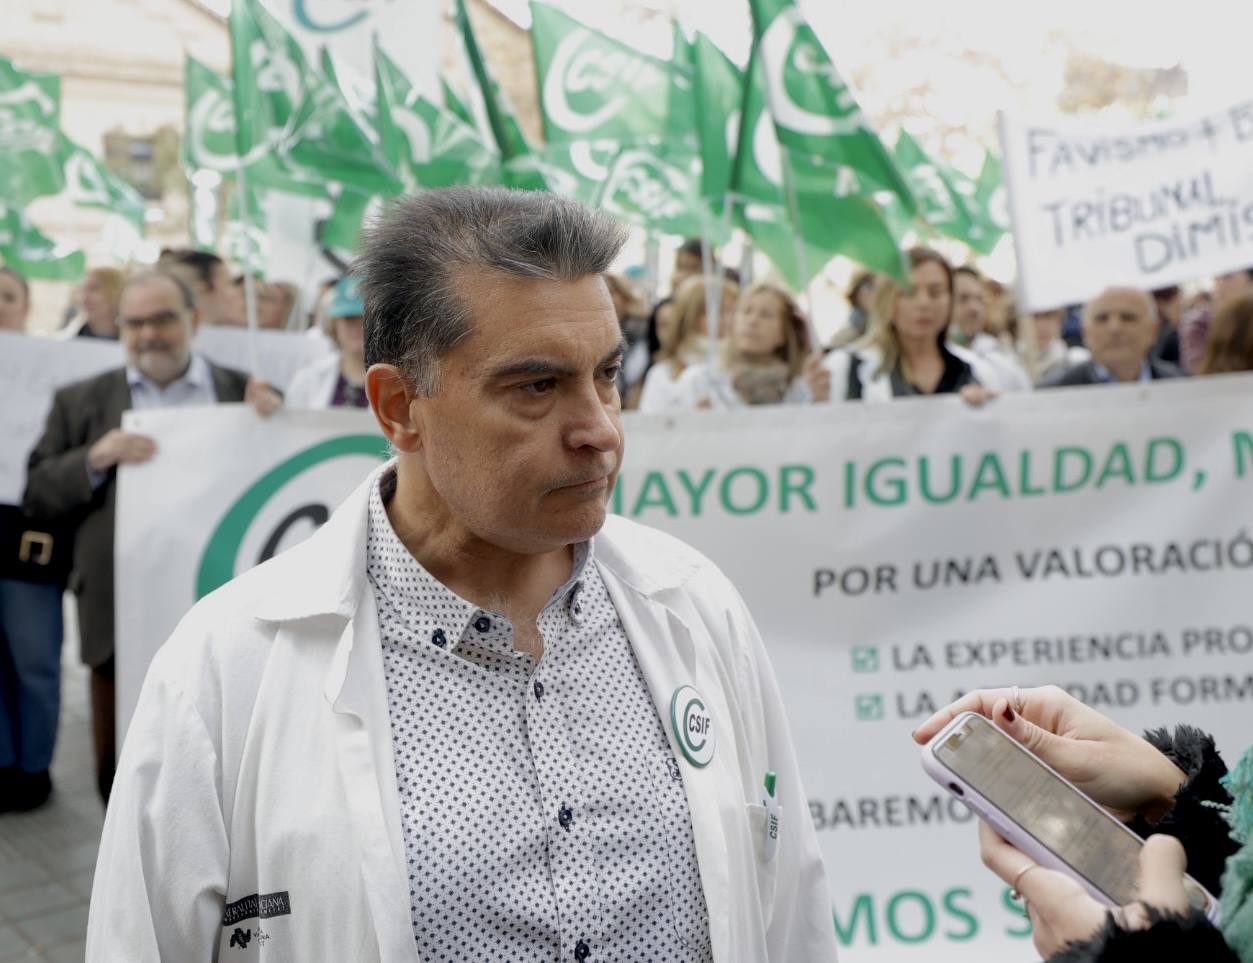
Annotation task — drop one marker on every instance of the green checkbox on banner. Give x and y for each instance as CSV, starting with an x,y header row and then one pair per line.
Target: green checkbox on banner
x,y
865,658
868,706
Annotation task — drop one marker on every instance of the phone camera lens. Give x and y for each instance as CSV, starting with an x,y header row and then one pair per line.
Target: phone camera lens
x,y
957,790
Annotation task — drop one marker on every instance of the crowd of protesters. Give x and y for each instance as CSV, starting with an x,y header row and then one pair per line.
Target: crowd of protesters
x,y
948,330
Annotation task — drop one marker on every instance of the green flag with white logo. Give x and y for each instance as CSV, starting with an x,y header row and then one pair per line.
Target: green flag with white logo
x,y
209,131
519,167
30,122
719,95
592,86
343,228
90,184
331,141
428,145
681,110
25,248
947,199
824,210
659,189
815,113
269,82
990,193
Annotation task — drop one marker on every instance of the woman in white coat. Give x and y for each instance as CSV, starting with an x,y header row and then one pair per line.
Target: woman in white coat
x,y
338,380
762,360
684,342
905,352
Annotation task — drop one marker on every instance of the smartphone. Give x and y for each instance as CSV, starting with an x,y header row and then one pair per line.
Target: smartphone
x,y
1041,813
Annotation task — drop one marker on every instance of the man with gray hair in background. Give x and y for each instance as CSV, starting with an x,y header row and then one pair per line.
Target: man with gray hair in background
x,y
471,717
1120,328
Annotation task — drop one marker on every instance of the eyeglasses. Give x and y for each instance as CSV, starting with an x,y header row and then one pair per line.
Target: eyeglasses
x,y
163,320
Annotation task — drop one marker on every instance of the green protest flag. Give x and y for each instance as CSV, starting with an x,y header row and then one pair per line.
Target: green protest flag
x,y
90,184
658,189
269,81
990,193
426,144
578,168
328,140
209,131
719,95
681,110
30,121
519,168
947,199
815,114
798,210
455,103
24,248
595,87
343,228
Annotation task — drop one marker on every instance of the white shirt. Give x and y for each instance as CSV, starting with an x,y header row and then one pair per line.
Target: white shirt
x,y
259,761
541,813
313,386
712,383
660,392
193,387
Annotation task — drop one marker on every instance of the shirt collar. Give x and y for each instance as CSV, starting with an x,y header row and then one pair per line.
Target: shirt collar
x,y
197,375
465,621
1105,375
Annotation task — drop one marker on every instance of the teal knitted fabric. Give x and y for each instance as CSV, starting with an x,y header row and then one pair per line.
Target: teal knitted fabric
x,y
1238,874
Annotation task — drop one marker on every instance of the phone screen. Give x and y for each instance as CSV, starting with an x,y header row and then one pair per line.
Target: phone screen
x,y
1045,806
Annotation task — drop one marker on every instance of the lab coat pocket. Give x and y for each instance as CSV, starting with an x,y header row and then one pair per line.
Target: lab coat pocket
x,y
767,855
674,822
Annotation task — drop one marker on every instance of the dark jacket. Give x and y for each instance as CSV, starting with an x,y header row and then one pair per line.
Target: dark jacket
x,y
58,489
1088,374
1200,827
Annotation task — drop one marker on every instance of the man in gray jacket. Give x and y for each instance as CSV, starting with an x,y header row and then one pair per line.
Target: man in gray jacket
x,y
72,470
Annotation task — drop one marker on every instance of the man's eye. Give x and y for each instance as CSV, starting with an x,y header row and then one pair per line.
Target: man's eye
x,y
613,370
542,387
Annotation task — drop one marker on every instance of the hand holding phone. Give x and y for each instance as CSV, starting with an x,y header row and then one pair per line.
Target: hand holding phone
x,y
1042,815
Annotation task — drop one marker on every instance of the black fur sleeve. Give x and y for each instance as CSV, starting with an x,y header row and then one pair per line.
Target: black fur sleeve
x,y
1194,820
1169,939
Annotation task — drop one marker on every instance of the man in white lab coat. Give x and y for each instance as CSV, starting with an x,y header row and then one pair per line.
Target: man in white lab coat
x,y
470,718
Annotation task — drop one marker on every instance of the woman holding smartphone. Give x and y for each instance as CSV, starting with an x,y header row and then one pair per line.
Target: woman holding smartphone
x,y
1174,789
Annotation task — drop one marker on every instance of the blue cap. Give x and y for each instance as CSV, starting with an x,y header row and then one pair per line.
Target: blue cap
x,y
347,300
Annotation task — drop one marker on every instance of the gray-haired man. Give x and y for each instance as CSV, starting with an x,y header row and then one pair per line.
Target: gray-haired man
x,y
470,718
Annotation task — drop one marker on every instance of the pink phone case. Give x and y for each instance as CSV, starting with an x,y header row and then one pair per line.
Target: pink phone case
x,y
1014,834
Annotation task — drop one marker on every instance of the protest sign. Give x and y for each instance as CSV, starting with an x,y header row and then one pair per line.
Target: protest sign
x,y
893,556
280,354
31,371
1144,206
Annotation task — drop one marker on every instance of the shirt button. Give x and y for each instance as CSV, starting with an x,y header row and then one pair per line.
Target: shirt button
x,y
539,690
565,816
482,623
582,951
439,638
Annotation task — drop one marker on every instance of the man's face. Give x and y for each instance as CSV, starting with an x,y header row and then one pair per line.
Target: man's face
x,y
686,265
221,303
970,311
12,304
523,439
156,329
1120,328
1228,286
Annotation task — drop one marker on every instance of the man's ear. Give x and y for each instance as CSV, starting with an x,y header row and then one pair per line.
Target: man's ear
x,y
392,396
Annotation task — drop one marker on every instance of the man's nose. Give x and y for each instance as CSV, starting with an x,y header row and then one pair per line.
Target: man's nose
x,y
594,420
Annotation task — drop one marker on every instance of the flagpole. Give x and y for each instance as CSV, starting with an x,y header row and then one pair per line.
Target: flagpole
x,y
250,290
802,261
713,294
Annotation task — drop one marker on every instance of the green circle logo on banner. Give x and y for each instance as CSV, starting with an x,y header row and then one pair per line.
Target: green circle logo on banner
x,y
217,564
693,726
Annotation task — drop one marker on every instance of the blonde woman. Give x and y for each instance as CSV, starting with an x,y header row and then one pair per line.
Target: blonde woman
x,y
96,312
683,335
762,360
905,351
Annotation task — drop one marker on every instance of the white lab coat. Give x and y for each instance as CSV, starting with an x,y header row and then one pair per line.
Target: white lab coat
x,y
259,761
313,386
876,385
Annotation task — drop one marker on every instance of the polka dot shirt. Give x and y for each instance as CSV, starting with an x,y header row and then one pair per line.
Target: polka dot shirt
x,y
544,814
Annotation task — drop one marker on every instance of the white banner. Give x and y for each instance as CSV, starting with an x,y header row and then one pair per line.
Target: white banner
x,y
1141,206
893,555
280,354
31,371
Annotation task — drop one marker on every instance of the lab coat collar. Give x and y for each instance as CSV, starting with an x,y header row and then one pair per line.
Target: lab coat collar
x,y
325,575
